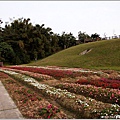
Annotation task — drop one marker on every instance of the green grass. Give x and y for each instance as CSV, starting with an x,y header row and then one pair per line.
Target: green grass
x,y
104,55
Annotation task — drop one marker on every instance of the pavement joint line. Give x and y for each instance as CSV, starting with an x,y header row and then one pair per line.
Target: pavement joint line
x,y
9,109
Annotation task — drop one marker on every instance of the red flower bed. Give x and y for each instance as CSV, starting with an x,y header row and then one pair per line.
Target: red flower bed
x,y
51,72
102,82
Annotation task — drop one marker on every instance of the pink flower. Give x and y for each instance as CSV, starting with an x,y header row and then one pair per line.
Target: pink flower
x,y
49,106
112,95
40,107
49,116
117,100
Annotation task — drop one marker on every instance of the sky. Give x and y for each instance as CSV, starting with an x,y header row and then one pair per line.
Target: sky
x,y
101,17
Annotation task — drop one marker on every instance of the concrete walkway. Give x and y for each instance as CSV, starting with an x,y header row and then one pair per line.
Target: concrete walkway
x,y
8,109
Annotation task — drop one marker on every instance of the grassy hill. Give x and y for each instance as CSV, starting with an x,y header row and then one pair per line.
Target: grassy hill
x,y
103,55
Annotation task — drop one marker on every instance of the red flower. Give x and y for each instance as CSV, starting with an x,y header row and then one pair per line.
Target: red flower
x,y
112,95
49,106
49,116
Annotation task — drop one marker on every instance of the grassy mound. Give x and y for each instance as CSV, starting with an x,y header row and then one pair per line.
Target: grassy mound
x,y
95,55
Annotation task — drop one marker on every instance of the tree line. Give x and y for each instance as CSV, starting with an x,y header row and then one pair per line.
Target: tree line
x,y
22,42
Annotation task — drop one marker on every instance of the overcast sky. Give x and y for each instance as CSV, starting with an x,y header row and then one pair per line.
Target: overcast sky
x,y
69,16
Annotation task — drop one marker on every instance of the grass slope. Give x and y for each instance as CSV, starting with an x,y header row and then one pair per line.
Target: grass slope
x,y
104,55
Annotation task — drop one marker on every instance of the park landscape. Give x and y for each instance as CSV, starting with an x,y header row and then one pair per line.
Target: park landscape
x,y
68,84
53,76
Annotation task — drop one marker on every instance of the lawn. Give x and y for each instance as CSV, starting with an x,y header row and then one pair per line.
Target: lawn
x,y
103,55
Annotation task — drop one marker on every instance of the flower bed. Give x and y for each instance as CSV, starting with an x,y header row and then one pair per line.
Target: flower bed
x,y
37,76
102,82
57,73
105,95
84,107
31,104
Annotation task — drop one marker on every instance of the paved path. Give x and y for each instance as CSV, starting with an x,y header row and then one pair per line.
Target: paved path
x,y
8,109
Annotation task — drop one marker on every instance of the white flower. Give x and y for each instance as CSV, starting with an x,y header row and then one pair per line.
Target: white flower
x,y
102,116
86,104
115,105
117,116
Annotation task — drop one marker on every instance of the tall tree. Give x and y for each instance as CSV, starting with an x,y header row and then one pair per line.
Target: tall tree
x,y
30,42
95,36
82,36
66,40
6,52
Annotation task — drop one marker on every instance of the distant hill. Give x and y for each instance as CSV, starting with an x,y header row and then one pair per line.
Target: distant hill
x,y
99,55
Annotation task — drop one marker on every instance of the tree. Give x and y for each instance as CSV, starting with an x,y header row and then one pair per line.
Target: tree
x,y
16,35
7,54
82,36
54,43
32,42
66,40
95,36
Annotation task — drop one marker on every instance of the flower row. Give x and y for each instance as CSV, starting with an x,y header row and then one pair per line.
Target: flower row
x,y
102,82
32,74
85,107
105,95
109,74
58,73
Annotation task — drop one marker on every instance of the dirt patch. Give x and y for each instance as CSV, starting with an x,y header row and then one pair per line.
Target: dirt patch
x,y
85,52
